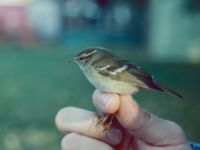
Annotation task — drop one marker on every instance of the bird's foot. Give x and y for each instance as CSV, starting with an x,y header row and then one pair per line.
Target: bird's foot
x,y
106,122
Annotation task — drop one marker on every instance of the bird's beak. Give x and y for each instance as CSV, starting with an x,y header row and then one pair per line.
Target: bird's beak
x,y
72,61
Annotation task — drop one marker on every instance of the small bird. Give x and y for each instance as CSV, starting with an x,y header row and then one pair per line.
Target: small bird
x,y
110,73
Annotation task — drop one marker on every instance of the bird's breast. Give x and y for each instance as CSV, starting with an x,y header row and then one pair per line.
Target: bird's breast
x,y
107,84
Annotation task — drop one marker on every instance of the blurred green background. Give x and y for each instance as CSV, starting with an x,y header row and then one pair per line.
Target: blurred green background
x,y
36,80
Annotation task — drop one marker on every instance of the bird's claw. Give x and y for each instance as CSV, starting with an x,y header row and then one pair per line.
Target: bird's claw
x,y
106,122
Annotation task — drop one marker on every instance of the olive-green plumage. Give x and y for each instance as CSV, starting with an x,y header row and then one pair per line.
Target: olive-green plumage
x,y
111,73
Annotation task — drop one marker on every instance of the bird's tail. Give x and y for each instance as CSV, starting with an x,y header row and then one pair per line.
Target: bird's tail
x,y
162,88
172,92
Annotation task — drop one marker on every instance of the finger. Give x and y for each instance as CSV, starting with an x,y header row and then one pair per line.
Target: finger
x,y
139,122
145,146
146,126
106,102
75,141
123,106
84,122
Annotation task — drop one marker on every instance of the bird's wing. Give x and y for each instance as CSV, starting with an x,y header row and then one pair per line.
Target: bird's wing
x,y
146,79
124,70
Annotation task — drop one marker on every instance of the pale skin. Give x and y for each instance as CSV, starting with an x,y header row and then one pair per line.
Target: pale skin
x,y
133,129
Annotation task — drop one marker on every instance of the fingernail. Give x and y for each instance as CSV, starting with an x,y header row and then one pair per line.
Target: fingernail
x,y
114,136
106,101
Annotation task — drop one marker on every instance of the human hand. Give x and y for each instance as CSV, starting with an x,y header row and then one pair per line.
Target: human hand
x,y
133,129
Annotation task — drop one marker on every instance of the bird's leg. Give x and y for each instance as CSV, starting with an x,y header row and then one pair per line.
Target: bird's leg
x,y
109,124
102,120
106,122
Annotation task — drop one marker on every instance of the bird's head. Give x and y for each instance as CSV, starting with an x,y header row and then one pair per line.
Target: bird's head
x,y
89,55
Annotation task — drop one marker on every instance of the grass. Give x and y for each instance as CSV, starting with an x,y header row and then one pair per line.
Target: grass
x,y
36,81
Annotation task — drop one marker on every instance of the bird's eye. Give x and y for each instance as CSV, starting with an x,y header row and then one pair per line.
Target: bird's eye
x,y
81,58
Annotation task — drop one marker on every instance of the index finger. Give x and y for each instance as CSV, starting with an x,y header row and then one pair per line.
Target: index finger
x,y
76,120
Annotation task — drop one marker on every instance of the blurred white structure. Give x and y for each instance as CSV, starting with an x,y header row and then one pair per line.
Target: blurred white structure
x,y
45,19
175,33
14,2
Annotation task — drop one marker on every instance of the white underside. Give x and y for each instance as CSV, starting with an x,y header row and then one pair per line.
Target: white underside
x,y
108,85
